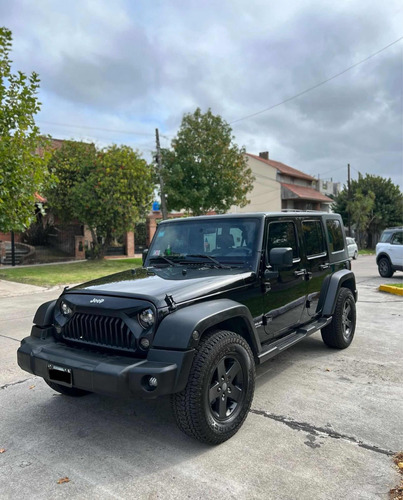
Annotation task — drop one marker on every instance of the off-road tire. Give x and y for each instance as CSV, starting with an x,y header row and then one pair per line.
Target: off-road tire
x,y
385,268
67,391
223,369
340,332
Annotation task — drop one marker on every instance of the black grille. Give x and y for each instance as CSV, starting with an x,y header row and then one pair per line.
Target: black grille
x,y
105,331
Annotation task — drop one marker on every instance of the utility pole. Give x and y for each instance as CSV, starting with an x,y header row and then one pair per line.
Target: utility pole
x,y
164,210
349,198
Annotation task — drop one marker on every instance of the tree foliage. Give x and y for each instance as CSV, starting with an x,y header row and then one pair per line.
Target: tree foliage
x,y
22,170
205,170
376,203
108,190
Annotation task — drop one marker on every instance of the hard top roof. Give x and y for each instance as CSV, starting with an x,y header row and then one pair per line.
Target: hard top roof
x,y
248,215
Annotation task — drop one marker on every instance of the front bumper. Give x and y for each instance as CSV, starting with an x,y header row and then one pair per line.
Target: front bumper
x,y
107,373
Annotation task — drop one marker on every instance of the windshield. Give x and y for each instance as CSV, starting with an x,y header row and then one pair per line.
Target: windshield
x,y
385,236
215,242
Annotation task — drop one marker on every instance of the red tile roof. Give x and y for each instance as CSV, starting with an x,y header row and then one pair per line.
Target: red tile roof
x,y
307,193
284,169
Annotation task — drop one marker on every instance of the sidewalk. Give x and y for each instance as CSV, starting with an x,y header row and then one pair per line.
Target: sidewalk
x,y
13,289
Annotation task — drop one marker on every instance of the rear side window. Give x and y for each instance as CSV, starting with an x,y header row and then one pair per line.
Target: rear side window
x,y
314,238
283,234
335,234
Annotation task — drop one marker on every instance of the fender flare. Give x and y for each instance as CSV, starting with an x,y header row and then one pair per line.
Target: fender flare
x,y
175,331
381,255
44,315
342,278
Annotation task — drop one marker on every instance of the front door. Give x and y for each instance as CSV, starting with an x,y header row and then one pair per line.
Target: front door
x,y
285,298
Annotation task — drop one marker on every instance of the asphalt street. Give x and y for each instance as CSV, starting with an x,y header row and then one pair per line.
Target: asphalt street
x,y
324,424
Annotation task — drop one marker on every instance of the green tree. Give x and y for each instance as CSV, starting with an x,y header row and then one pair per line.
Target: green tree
x,y
71,165
22,169
378,198
361,210
108,190
205,170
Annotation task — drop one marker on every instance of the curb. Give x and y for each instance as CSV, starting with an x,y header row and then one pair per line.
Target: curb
x,y
391,289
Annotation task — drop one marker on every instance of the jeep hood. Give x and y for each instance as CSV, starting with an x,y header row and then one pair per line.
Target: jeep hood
x,y
155,285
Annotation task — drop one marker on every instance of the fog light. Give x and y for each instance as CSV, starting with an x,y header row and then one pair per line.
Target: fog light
x,y
144,343
152,382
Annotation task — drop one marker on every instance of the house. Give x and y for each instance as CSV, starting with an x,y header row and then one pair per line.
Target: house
x,y
279,187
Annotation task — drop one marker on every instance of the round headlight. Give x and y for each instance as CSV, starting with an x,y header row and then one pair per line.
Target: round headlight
x,y
146,318
65,309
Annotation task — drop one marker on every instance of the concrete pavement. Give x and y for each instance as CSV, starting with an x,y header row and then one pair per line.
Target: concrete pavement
x,y
323,424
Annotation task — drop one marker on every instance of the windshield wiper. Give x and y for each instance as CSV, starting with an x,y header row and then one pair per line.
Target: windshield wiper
x,y
162,257
204,256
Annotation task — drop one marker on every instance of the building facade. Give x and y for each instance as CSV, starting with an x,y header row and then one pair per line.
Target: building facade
x,y
280,187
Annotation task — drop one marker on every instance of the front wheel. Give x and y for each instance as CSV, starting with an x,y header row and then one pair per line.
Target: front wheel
x,y
219,392
340,332
385,268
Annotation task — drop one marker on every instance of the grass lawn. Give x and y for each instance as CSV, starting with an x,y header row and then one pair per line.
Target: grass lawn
x,y
398,285
60,274
366,251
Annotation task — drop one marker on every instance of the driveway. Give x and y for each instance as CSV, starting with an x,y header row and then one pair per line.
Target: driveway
x,y
324,424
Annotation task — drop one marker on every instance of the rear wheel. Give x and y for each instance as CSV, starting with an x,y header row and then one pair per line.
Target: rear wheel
x,y
385,268
67,391
219,392
340,332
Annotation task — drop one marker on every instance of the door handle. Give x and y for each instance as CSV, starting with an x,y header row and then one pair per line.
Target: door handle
x,y
302,272
322,267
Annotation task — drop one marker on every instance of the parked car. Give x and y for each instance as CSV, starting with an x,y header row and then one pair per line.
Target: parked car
x,y
215,296
389,252
352,248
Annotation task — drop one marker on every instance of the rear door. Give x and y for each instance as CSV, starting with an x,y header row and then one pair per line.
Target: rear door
x,y
317,263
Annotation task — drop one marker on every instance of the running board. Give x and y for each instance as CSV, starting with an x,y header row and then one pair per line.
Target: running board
x,y
292,338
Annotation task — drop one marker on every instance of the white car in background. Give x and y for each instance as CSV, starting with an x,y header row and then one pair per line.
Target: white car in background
x,y
389,252
352,248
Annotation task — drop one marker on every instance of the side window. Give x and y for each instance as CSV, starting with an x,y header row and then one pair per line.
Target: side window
x,y
397,239
283,234
314,238
335,234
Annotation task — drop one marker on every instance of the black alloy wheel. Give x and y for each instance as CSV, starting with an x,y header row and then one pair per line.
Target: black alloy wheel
x,y
227,388
340,332
219,392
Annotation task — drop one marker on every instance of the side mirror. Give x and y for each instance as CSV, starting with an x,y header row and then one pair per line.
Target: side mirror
x,y
280,258
144,255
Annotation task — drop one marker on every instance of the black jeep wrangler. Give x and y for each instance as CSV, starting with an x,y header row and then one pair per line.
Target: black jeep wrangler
x,y
216,296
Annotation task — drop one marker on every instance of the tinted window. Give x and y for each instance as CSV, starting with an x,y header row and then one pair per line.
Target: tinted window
x,y
282,234
335,235
397,239
313,236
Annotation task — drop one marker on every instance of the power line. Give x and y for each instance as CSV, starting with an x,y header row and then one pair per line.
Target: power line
x,y
318,84
131,132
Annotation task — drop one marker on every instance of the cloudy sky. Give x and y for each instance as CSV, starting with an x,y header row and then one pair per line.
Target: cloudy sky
x,y
113,71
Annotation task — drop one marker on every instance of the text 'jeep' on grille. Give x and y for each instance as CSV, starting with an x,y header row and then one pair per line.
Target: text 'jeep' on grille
x,y
216,296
